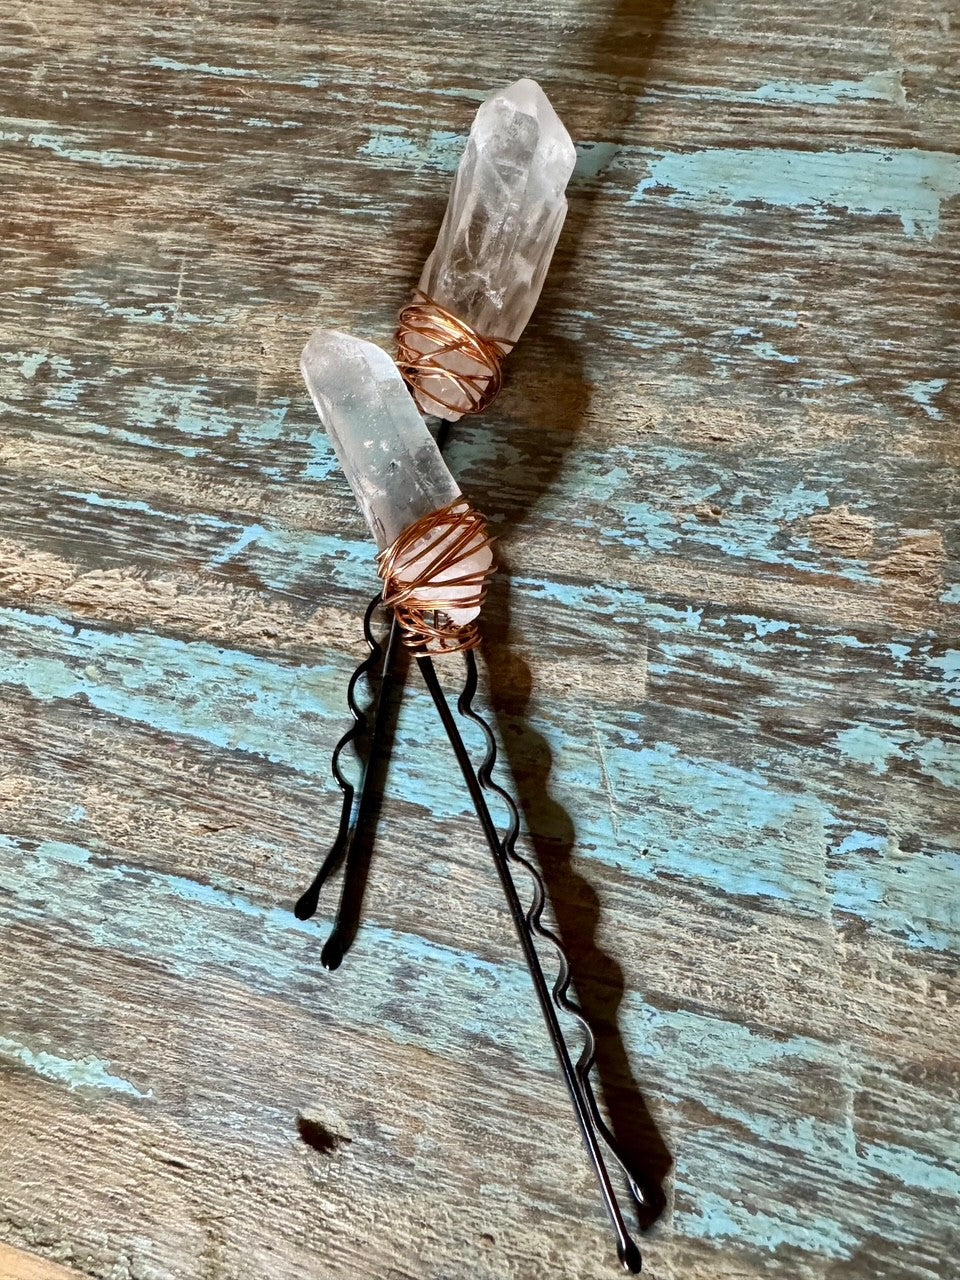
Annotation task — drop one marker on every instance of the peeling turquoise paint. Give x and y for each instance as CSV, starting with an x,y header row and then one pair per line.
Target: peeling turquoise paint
x,y
909,184
732,831
227,699
396,145
912,896
246,539
233,73
923,393
867,745
799,501
110,503
767,351
192,410
193,929
31,363
717,1217
948,664
437,150
162,311
68,147
323,461
877,747
594,159
880,86
75,1073
706,821
763,626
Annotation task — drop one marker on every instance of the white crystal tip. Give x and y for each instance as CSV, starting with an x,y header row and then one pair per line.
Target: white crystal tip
x,y
328,351
389,457
527,97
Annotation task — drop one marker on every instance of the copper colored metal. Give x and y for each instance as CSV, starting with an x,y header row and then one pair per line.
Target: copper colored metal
x,y
471,388
453,534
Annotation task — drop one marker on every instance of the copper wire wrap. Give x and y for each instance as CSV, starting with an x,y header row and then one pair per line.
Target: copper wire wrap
x,y
469,392
455,532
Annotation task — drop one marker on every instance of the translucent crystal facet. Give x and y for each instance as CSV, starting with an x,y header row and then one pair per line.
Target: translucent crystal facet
x,y
385,448
503,218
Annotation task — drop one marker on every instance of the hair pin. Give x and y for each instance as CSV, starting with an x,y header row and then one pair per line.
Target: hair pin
x,y
435,557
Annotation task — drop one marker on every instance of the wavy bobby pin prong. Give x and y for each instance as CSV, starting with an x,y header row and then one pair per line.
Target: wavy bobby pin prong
x,y
445,361
308,901
436,571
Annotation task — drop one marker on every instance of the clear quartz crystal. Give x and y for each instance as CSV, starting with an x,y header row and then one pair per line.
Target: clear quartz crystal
x,y
385,448
502,223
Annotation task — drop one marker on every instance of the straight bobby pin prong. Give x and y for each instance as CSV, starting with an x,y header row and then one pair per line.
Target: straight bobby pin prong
x,y
529,927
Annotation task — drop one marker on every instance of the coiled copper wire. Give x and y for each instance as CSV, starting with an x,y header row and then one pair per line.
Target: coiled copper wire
x,y
454,533
425,321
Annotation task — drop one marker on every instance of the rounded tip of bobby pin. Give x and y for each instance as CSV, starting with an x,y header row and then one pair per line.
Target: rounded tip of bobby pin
x,y
449,367
630,1257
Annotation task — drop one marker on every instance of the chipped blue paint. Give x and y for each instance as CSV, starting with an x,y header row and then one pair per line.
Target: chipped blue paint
x,y
230,700
594,159
205,68
191,409
763,626
799,501
193,929
31,363
270,427
912,1169
76,1073
702,821
257,122
877,747
909,184
717,1217
948,663
233,73
937,759
68,147
952,594
922,393
111,503
161,311
728,830
867,744
913,896
880,86
767,351
249,535
395,145
323,461
436,150
644,524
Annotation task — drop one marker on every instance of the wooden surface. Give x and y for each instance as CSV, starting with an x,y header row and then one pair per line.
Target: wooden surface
x,y
725,674
15,1264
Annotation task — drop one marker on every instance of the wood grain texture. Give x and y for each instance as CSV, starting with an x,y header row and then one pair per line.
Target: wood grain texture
x,y
724,662
17,1265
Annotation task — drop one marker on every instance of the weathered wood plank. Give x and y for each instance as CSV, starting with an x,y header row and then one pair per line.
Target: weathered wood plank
x,y
17,1265
725,675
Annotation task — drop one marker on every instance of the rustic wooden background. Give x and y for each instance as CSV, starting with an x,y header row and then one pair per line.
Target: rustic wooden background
x,y
724,472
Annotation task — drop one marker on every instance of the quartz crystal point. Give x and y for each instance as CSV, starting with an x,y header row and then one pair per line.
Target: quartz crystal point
x,y
502,223
387,453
